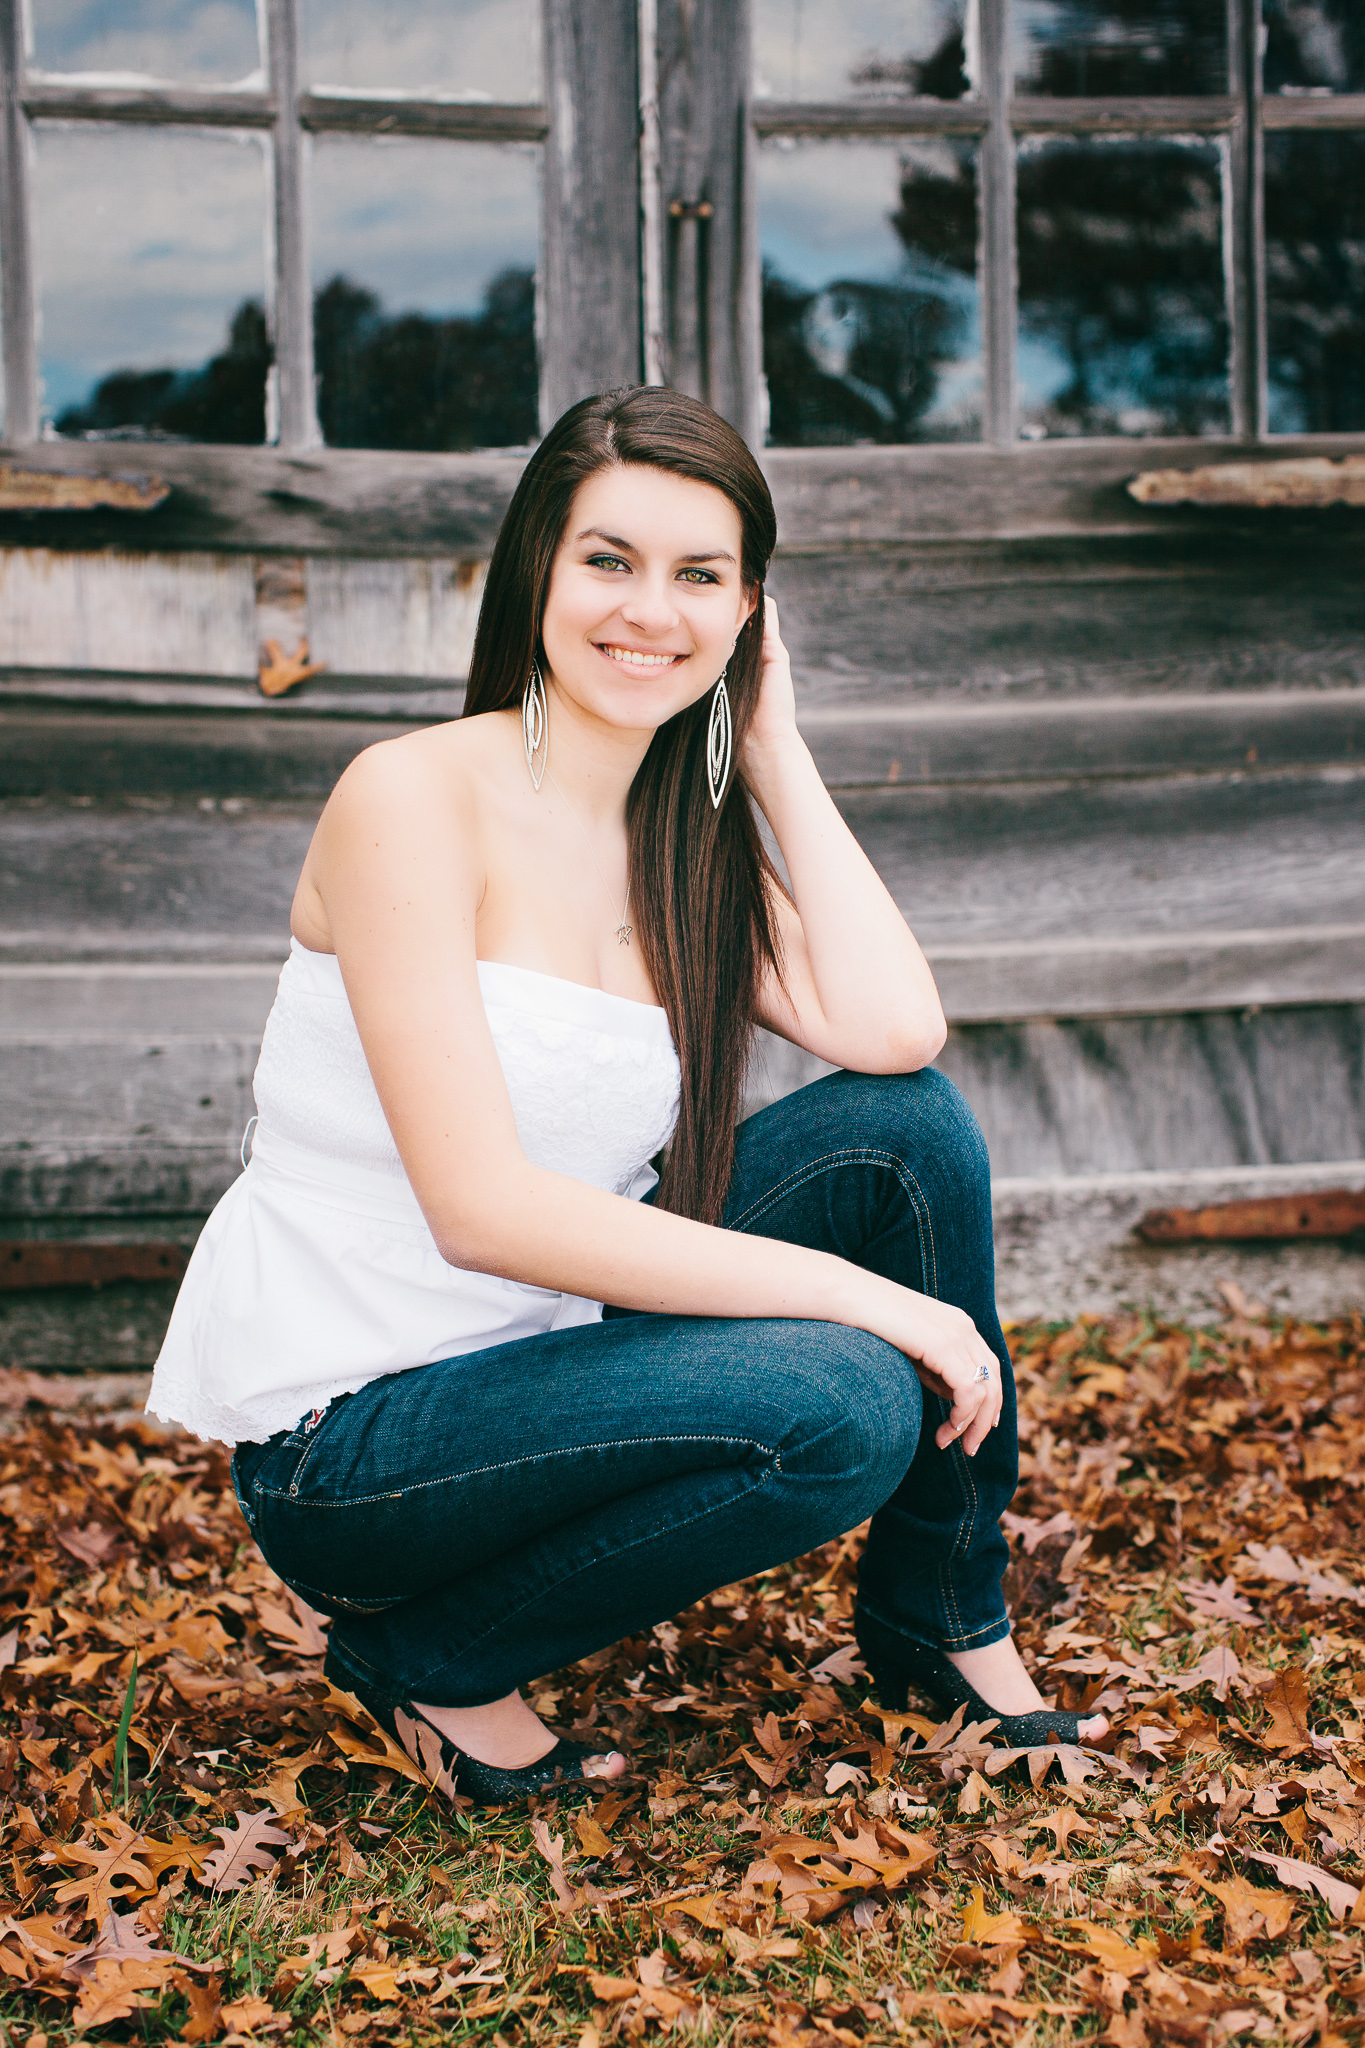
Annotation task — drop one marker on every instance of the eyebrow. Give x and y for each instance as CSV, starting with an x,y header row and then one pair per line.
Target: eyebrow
x,y
626,547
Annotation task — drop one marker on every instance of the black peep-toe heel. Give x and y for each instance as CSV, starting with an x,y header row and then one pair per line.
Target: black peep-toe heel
x,y
451,1771
897,1662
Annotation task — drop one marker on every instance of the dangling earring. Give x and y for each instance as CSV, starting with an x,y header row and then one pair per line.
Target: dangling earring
x,y
719,736
535,725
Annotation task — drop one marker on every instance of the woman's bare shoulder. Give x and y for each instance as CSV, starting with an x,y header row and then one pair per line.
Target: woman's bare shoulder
x,y
439,768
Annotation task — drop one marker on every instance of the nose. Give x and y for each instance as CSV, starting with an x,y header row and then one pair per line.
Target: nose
x,y
649,607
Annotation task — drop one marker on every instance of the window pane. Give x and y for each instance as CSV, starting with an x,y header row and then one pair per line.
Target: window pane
x,y
464,49
150,252
424,259
1315,282
862,49
1314,46
209,41
871,321
1093,47
1122,315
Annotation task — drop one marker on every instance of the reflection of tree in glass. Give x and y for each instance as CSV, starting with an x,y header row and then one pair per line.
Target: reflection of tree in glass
x,y
223,401
410,381
1127,46
942,76
413,381
1315,282
1121,272
1314,43
861,361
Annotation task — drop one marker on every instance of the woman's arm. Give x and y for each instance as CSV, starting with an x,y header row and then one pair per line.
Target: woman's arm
x,y
858,989
397,866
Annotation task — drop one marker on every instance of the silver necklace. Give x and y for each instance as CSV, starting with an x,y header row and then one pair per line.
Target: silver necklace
x,y
623,930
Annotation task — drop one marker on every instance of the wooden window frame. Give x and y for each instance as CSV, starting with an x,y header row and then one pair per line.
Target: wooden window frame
x,y
999,118
597,244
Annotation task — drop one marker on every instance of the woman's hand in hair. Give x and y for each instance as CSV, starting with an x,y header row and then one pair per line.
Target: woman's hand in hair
x,y
774,721
947,1351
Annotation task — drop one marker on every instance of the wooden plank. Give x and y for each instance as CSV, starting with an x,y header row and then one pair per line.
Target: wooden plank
x,y
372,502
18,316
94,749
150,106
591,268
1254,730
877,117
1207,114
1061,619
703,78
292,373
1149,974
1314,110
996,207
1161,1093
385,114
1244,205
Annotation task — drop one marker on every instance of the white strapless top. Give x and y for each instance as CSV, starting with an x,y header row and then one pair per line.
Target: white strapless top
x,y
316,1273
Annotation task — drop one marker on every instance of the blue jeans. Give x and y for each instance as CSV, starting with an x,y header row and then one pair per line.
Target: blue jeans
x,y
472,1524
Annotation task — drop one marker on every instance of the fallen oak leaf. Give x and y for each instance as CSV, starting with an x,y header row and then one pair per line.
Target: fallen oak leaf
x,y
551,1848
292,1625
244,2015
247,1850
206,2007
988,1930
1111,1951
118,1858
1286,1701
1214,1602
1248,1910
115,1992
1339,1896
388,1756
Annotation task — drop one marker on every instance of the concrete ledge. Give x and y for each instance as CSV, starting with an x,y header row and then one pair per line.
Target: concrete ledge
x,y
1066,1247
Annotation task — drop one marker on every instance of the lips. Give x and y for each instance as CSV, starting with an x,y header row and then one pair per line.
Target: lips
x,y
639,658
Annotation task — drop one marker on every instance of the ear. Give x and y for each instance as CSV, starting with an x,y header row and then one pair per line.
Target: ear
x,y
752,598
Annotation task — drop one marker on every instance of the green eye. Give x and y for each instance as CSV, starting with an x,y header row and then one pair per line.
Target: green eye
x,y
606,562
699,575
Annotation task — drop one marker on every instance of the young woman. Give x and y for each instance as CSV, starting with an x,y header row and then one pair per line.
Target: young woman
x,y
529,951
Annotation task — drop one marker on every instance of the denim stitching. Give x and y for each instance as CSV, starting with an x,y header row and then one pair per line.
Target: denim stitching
x,y
861,1155
510,1464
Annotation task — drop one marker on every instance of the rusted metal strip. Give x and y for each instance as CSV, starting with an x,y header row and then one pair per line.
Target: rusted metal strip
x,y
1308,481
46,490
24,1264
1332,1212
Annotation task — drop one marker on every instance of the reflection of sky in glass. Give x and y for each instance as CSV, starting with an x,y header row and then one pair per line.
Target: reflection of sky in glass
x,y
825,214
1122,316
467,49
194,41
1120,46
811,50
426,225
1314,45
145,243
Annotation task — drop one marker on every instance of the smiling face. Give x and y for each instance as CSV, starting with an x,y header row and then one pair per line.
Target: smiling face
x,y
646,596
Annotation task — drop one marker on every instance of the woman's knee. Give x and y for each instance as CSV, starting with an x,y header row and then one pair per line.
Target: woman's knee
x,y
855,1409
921,1117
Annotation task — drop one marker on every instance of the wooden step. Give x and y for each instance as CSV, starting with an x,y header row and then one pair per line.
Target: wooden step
x,y
104,749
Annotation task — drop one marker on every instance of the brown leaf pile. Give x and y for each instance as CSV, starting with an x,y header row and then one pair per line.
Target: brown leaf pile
x,y
788,1864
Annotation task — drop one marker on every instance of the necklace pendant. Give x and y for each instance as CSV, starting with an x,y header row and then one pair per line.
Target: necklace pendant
x,y
623,932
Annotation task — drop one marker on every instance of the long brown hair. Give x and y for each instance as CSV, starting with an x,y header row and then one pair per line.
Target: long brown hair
x,y
700,879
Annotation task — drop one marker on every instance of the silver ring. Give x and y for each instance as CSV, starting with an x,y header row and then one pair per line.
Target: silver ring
x,y
983,1372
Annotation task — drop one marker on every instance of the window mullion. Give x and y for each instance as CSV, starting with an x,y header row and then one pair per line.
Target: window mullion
x,y
1247,221
298,426
19,331
998,246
